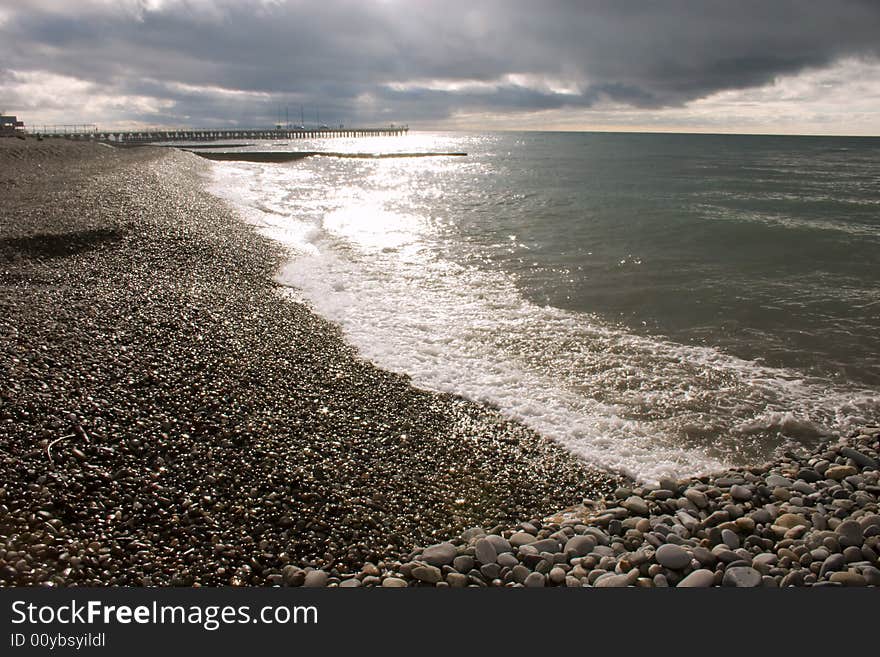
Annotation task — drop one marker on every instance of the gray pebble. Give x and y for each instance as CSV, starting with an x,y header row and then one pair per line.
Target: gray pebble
x,y
521,538
849,533
834,562
701,578
775,480
611,581
485,552
535,580
519,573
457,580
507,560
740,493
501,544
741,577
441,554
862,460
672,556
465,563
557,575
580,546
697,497
316,579
427,574
490,571
636,505
550,545
730,539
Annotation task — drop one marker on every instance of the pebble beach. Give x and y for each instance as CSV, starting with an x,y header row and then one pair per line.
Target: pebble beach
x,y
169,417
804,520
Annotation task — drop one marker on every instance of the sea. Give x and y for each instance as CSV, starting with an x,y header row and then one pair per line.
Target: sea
x,y
658,304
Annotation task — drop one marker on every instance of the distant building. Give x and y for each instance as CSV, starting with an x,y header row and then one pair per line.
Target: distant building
x,y
10,126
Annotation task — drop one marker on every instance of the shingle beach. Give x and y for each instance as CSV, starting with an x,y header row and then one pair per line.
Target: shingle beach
x,y
169,417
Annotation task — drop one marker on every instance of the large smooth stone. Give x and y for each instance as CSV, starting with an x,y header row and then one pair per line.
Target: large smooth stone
x,y
741,577
441,554
672,556
699,579
580,546
485,552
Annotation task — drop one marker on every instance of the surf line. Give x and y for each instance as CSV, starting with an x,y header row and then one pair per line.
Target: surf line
x,y
289,156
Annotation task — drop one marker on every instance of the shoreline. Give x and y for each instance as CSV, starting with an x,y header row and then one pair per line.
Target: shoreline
x,y
806,519
170,420
216,485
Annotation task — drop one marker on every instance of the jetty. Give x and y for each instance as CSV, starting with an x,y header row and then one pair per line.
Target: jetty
x,y
131,137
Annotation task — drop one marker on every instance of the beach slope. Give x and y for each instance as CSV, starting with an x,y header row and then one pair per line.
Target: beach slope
x,y
168,418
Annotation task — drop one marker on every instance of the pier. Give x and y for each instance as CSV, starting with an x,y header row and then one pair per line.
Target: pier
x,y
131,137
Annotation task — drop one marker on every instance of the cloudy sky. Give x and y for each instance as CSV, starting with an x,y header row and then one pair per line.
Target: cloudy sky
x,y
777,66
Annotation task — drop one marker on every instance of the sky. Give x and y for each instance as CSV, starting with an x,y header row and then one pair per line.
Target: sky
x,y
768,66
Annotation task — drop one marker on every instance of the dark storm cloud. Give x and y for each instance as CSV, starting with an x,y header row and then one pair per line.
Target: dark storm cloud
x,y
400,60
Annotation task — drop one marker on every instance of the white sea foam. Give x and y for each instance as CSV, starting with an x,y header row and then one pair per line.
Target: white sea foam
x,y
643,405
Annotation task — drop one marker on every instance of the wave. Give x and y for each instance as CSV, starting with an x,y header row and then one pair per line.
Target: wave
x,y
643,405
291,156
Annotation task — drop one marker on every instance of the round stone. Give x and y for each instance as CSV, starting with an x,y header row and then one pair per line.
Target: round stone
x,y
704,556
730,539
520,573
613,581
697,498
635,505
789,520
699,579
463,563
850,533
745,524
316,579
522,538
500,543
834,562
550,545
741,577
862,460
441,554
740,493
506,560
485,552
672,556
292,576
457,580
579,546
839,472
535,580
764,562
490,571
848,579
870,520
393,583
781,493
427,574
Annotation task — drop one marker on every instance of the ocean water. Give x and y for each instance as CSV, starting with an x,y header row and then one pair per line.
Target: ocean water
x,y
658,304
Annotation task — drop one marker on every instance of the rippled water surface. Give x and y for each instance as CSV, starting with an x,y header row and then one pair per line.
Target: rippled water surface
x,y
656,303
